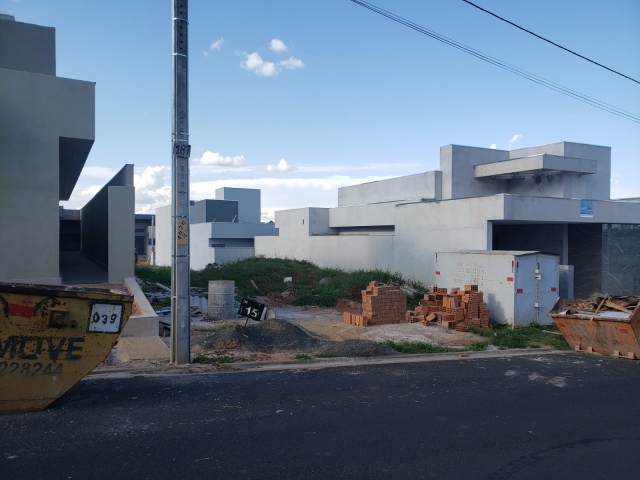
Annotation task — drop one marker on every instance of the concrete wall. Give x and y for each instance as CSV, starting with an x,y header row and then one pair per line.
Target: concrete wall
x,y
121,218
108,226
36,110
27,47
163,236
248,202
410,187
362,215
215,211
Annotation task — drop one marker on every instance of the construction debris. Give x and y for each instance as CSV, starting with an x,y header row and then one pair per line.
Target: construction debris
x,y
597,305
381,305
459,309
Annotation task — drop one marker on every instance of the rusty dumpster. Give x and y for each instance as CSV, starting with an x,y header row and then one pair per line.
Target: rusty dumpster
x,y
611,332
51,336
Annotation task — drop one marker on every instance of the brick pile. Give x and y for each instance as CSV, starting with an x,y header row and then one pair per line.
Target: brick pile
x,y
381,305
459,309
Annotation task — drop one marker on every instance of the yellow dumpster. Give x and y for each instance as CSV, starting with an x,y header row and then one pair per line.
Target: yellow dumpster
x,y
615,331
51,337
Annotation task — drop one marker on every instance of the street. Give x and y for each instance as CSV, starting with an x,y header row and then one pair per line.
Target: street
x,y
548,416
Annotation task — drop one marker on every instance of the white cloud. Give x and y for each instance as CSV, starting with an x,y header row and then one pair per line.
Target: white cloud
x,y
152,178
206,54
90,191
257,65
214,158
493,146
217,44
99,172
278,45
514,139
281,166
291,63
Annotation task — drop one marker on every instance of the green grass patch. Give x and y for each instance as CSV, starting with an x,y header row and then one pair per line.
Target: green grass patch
x,y
217,328
303,357
204,359
418,347
533,336
324,355
269,273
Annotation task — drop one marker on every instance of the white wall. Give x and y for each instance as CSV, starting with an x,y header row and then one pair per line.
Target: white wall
x,y
163,236
121,221
410,187
248,202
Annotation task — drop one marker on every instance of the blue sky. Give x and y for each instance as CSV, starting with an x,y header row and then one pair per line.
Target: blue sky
x,y
299,98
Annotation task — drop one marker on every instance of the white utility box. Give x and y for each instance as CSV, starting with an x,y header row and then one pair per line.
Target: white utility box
x,y
519,287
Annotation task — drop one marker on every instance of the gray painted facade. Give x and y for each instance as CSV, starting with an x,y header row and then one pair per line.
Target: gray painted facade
x,y
480,199
47,128
216,241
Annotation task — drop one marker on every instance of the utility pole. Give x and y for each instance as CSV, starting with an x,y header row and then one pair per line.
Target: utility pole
x,y
181,150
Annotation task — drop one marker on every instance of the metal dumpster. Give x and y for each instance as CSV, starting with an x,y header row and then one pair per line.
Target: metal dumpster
x,y
51,337
612,332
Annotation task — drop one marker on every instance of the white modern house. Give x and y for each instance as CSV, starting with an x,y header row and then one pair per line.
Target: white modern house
x,y
221,230
551,198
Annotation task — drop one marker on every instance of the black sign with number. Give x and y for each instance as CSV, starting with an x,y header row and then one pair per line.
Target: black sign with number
x,y
182,150
250,309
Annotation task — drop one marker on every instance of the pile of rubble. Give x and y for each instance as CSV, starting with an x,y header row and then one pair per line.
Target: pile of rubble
x,y
459,309
595,305
381,305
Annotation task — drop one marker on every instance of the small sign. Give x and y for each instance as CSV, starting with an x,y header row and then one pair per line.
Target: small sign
x,y
182,231
251,309
182,150
586,208
105,318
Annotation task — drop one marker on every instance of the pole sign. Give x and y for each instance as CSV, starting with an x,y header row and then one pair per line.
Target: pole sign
x,y
251,309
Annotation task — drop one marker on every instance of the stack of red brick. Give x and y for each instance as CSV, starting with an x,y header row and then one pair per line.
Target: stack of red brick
x,y
460,309
381,304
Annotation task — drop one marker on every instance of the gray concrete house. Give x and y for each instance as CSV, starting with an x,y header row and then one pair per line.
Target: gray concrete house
x,y
221,230
47,129
552,198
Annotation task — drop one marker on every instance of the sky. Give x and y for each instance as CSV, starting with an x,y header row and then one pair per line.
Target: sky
x,y
299,98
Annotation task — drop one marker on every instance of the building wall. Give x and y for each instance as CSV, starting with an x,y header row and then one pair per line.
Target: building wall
x,y
36,110
248,202
121,208
163,235
410,187
27,47
108,226
215,211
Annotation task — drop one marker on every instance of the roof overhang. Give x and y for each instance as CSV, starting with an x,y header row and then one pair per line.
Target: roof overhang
x,y
535,165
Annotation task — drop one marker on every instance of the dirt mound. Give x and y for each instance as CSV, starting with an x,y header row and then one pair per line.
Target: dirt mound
x,y
280,335
357,348
277,299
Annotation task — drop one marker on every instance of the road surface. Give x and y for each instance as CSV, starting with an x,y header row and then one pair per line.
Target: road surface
x,y
548,416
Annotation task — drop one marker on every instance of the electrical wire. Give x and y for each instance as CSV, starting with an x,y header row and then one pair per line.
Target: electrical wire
x,y
494,61
552,43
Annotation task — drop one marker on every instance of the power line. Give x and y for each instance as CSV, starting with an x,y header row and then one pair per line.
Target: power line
x,y
552,43
494,61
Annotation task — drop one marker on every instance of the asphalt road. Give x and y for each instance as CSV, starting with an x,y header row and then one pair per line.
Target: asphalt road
x,y
554,416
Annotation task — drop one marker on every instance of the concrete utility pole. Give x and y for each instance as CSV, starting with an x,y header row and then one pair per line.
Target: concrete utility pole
x,y
181,150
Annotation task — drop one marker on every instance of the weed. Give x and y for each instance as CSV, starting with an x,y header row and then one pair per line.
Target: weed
x,y
303,357
204,359
418,347
268,274
533,336
217,328
324,355
478,346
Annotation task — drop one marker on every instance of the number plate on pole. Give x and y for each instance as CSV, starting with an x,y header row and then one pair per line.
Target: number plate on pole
x,y
182,150
250,309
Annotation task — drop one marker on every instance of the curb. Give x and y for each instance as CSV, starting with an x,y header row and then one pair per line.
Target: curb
x,y
316,364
